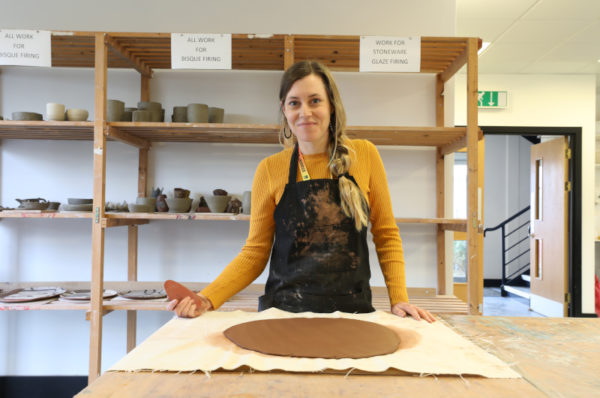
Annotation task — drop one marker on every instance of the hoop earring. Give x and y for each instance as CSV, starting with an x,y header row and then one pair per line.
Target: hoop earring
x,y
286,136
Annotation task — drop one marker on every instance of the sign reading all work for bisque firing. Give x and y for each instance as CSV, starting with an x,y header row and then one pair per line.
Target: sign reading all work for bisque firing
x,y
200,51
25,47
390,54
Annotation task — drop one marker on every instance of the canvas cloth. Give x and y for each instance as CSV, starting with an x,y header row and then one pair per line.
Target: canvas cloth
x,y
198,344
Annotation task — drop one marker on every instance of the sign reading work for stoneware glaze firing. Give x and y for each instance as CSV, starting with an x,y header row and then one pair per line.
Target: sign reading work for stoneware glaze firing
x,y
315,337
25,47
200,51
390,54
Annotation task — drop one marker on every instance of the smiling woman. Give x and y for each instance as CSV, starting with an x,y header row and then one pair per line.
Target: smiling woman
x,y
311,204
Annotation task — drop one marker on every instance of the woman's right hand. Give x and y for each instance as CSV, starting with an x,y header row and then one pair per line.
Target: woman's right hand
x,y
187,308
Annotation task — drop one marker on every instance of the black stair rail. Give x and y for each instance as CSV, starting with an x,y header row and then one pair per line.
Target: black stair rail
x,y
516,274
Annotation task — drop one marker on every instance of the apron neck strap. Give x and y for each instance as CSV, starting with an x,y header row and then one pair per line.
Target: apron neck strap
x,y
293,165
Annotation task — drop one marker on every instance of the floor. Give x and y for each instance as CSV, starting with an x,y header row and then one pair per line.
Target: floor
x,y
496,305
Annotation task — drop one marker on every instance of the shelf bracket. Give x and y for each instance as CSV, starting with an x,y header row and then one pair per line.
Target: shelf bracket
x,y
118,135
88,314
133,60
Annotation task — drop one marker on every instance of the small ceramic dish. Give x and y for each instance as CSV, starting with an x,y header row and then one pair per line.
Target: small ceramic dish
x,y
179,205
27,116
76,115
137,208
79,201
83,207
31,294
84,295
147,294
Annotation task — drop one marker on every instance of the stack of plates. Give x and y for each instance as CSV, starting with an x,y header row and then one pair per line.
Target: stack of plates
x,y
31,294
84,295
147,294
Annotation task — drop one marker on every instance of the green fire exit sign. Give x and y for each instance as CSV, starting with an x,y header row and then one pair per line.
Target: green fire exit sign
x,y
492,99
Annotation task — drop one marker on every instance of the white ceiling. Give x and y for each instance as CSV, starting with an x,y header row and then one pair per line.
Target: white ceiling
x,y
534,36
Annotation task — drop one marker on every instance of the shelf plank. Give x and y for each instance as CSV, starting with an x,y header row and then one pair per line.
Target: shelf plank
x,y
178,216
246,300
140,133
46,130
57,214
249,51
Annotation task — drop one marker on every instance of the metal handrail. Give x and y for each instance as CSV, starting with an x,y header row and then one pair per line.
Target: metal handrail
x,y
506,280
503,223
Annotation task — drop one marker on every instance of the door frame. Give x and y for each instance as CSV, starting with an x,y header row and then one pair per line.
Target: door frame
x,y
574,135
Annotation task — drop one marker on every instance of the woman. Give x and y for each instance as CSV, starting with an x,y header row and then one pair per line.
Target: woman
x,y
316,198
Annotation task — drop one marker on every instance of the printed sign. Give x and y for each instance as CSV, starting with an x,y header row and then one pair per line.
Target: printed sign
x,y
492,99
25,47
390,54
200,51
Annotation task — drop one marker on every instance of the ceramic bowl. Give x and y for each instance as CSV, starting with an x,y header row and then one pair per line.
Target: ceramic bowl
x,y
77,115
137,208
34,205
141,116
197,113
150,202
114,110
27,116
179,205
53,205
80,201
217,203
79,207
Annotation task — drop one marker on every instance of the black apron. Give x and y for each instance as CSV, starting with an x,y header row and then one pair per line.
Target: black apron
x,y
319,262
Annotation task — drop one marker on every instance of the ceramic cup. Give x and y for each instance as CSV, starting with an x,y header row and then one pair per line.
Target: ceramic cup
x,y
215,115
55,111
246,202
154,108
140,116
127,116
197,113
179,114
114,110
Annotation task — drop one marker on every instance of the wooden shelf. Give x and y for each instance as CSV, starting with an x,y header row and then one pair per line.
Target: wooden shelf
x,y
141,134
179,216
46,130
246,300
451,224
148,51
56,214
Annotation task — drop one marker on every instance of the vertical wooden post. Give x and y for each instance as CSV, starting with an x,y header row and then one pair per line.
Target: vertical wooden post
x,y
132,264
440,189
97,284
288,54
145,88
475,280
143,173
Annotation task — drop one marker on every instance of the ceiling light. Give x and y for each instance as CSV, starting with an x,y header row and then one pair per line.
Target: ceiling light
x,y
485,45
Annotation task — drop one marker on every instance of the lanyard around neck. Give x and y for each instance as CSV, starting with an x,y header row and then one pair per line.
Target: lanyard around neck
x,y
303,170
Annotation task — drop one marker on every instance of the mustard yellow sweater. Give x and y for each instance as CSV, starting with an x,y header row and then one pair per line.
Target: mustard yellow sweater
x,y
269,182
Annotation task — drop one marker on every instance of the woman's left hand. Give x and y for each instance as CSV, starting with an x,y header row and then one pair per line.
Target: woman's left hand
x,y
403,309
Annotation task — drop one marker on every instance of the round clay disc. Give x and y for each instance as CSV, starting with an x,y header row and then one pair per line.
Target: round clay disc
x,y
315,337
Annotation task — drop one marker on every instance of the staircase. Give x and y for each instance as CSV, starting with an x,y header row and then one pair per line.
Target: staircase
x,y
515,246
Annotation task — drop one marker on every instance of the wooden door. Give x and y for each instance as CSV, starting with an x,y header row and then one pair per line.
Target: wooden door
x,y
549,227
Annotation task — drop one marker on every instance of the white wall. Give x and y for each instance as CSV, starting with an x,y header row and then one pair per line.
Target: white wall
x,y
42,250
553,101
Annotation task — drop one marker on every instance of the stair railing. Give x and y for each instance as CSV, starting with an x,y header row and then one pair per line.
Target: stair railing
x,y
506,279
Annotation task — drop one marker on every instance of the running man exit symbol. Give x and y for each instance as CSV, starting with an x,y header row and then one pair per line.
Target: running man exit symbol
x,y
492,99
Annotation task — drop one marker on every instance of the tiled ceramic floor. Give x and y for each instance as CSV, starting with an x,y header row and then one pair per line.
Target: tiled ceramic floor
x,y
496,305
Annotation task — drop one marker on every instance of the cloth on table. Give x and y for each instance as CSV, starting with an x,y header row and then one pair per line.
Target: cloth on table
x,y
198,344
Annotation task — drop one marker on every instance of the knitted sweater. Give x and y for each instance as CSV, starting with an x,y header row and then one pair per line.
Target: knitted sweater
x,y
269,182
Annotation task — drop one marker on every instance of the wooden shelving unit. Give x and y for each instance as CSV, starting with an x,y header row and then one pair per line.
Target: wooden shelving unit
x,y
146,52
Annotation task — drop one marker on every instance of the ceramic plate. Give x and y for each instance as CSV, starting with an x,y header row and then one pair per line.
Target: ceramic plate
x,y
84,295
147,294
31,294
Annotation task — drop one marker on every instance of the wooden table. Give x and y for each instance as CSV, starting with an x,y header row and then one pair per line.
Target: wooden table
x,y
556,357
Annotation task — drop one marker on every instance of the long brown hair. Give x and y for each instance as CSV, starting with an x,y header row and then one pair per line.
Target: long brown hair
x,y
353,202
